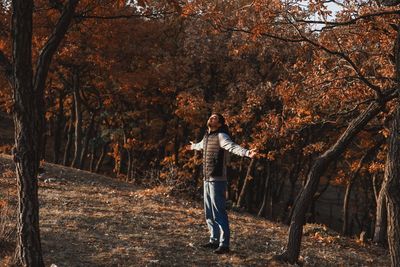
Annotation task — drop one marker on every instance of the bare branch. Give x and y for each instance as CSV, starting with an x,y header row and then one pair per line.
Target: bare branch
x,y
130,16
347,112
332,24
52,44
374,87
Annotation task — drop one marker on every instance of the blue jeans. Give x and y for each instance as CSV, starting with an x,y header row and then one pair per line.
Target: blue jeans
x,y
215,211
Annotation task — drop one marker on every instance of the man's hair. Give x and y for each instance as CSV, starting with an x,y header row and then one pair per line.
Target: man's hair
x,y
224,128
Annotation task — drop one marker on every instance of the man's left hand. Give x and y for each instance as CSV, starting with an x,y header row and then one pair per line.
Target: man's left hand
x,y
252,153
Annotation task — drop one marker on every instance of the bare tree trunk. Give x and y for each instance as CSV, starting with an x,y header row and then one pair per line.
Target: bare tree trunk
x,y
240,180
310,216
392,172
276,190
346,201
27,148
78,122
101,158
130,165
29,120
364,159
261,211
70,136
88,134
247,180
119,160
317,170
380,232
176,149
92,157
392,177
45,136
293,177
58,127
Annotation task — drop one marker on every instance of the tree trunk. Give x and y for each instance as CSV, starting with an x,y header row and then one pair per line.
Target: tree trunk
x,y
101,158
70,136
88,134
28,113
58,128
261,211
27,148
346,201
392,177
364,159
317,170
293,177
176,149
380,232
130,164
392,173
45,136
118,160
92,157
78,122
240,180
246,183
276,190
310,216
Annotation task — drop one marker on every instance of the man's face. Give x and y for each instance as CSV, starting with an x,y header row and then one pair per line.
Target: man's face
x,y
213,122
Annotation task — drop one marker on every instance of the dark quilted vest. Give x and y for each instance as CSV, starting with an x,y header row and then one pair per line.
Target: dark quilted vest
x,y
213,158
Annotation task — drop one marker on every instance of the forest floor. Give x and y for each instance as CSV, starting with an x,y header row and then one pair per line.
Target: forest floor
x,y
92,220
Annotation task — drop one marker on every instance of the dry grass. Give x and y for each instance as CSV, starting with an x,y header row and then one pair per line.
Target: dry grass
x,y
91,220
7,219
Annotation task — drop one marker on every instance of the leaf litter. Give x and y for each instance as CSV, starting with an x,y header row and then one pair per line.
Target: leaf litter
x,y
93,220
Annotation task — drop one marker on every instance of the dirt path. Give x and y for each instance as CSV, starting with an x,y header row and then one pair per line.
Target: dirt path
x,y
92,220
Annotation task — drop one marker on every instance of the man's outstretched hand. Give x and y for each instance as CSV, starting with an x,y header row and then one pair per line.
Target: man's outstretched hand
x,y
189,147
253,153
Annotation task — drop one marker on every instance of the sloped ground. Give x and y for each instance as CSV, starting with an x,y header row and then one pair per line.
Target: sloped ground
x,y
92,220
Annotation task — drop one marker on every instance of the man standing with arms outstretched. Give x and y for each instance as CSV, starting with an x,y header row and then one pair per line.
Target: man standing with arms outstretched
x,y
215,145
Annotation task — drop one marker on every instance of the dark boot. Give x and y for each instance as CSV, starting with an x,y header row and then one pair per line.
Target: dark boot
x,y
221,250
210,245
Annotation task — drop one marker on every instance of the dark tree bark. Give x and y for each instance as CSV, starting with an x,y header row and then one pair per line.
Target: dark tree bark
x,y
392,177
27,149
293,177
44,143
240,180
310,217
28,96
130,164
89,132
392,173
364,159
276,190
176,149
78,121
261,211
320,165
70,136
92,157
380,232
101,158
58,128
247,180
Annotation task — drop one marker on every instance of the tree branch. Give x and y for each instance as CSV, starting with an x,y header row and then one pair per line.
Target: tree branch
x,y
130,16
361,77
51,46
332,24
346,58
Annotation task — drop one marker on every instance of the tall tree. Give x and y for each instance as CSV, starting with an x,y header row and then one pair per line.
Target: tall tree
x,y
28,94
